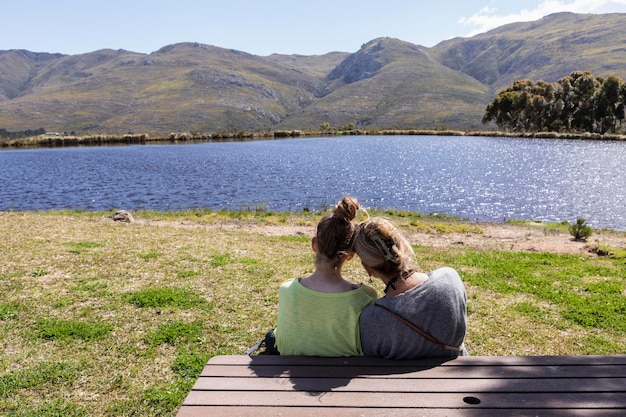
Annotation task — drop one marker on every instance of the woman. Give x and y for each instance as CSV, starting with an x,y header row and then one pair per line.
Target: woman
x,y
319,315
420,314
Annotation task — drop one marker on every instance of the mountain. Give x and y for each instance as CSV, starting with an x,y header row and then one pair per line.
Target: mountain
x,y
178,88
391,83
548,49
387,83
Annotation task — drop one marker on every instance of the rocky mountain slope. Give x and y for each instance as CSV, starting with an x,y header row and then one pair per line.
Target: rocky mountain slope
x,y
388,83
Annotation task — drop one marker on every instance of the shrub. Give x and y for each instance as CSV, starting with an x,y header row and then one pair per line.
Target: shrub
x,y
580,230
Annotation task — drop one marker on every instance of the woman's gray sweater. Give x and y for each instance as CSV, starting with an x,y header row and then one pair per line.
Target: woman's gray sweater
x,y
437,306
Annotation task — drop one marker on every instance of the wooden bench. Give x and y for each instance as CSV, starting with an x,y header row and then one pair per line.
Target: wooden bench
x,y
260,386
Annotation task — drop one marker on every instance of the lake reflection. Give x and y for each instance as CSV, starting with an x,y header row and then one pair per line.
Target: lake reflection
x,y
478,178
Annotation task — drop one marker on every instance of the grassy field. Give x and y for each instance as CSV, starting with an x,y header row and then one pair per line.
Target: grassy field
x,y
101,318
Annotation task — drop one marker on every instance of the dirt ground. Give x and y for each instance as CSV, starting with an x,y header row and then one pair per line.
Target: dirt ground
x,y
525,238
514,237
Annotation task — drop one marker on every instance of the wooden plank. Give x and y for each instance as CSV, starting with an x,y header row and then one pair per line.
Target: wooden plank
x,y
510,400
347,371
239,411
321,361
390,412
413,385
460,361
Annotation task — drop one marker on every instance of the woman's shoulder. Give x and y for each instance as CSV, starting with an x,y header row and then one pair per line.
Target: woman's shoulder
x,y
445,280
445,271
445,274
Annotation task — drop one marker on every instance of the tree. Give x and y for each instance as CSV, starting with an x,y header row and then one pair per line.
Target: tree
x,y
584,86
609,106
508,108
578,102
324,126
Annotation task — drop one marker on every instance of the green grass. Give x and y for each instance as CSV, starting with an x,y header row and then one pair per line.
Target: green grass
x,y
43,374
55,408
189,362
9,311
81,247
122,325
65,331
164,297
585,291
175,333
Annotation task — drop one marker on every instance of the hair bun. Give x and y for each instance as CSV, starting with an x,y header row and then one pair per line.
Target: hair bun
x,y
346,209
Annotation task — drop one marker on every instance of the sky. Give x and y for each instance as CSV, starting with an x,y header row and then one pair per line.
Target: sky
x,y
262,27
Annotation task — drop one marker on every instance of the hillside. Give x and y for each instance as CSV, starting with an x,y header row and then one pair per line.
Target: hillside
x,y
548,49
391,83
388,83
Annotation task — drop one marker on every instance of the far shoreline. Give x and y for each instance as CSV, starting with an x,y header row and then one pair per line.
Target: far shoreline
x,y
262,215
54,140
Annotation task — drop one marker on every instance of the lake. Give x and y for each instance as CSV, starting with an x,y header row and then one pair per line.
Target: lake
x,y
474,178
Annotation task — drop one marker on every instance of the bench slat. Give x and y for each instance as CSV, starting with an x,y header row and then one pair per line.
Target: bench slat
x,y
244,411
386,363
412,400
529,385
500,371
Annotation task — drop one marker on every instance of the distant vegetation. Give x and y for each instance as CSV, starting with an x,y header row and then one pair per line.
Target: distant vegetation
x,y
62,140
5,134
47,140
579,102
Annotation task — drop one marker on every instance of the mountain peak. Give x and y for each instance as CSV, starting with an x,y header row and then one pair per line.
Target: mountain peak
x,y
370,58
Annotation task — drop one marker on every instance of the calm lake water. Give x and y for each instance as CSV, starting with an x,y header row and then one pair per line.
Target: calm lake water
x,y
476,178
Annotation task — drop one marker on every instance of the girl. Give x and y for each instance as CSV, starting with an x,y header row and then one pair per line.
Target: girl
x,y
318,315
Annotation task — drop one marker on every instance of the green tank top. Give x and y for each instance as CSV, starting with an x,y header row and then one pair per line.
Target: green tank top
x,y
314,323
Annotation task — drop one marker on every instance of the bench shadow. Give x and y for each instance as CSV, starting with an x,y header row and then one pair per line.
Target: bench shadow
x,y
554,384
310,377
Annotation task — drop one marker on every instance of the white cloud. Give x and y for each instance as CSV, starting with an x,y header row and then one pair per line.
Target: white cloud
x,y
487,18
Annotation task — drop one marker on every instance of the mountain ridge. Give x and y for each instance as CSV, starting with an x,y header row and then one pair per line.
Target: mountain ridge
x,y
387,83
